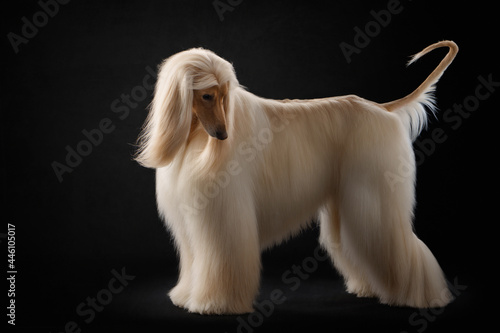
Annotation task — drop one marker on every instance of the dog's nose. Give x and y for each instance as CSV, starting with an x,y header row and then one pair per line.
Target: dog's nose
x,y
221,134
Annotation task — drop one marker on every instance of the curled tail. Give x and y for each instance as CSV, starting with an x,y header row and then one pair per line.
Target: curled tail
x,y
411,108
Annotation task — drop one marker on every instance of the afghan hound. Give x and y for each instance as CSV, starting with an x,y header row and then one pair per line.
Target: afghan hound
x,y
237,174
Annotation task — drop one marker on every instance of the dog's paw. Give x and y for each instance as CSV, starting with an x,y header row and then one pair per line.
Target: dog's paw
x,y
219,308
359,289
179,296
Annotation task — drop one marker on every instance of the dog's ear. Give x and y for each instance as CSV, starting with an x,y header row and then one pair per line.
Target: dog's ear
x,y
227,100
167,127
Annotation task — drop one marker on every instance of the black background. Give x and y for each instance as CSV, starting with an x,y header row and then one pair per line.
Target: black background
x,y
70,235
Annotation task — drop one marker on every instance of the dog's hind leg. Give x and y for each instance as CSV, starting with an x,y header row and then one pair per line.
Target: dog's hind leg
x,y
376,233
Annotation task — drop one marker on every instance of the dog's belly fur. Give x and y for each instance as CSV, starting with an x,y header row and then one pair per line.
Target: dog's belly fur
x,y
284,220
306,187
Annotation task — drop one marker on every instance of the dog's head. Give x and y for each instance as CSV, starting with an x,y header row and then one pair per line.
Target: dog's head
x,y
193,88
209,107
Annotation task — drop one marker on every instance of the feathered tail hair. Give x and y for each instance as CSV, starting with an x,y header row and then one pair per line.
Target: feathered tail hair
x,y
411,108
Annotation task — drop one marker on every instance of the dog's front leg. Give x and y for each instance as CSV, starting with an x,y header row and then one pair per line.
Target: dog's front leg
x,y
226,265
181,293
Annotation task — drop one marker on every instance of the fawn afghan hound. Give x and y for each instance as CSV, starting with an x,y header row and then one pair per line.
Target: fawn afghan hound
x,y
237,173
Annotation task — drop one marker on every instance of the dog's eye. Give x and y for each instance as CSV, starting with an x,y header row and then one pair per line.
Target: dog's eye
x,y
207,97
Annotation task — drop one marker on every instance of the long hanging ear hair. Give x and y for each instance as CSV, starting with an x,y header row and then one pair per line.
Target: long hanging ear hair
x,y
167,126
